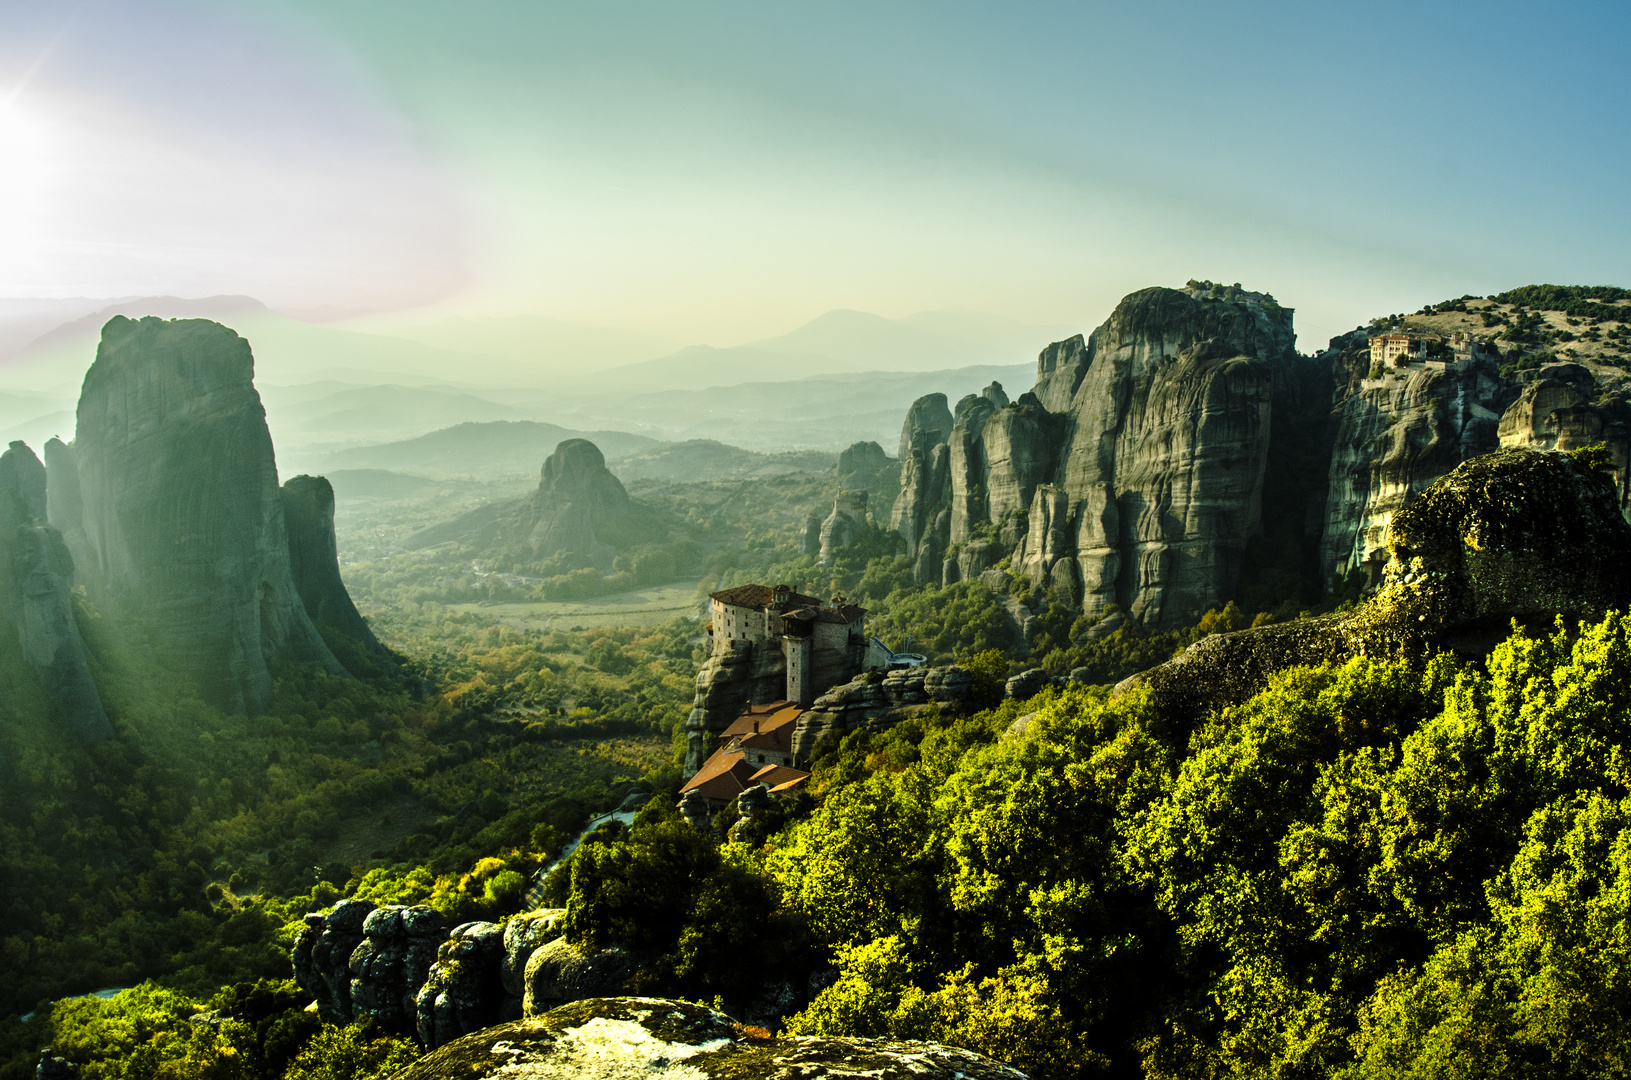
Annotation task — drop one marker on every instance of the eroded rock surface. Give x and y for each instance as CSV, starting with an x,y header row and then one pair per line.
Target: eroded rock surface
x,y
36,596
735,675
1517,534
662,1039
180,507
464,990
1132,474
1561,409
876,705
560,972
846,525
308,514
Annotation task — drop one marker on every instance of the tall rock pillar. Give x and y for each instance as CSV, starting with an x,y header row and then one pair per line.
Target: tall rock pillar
x,y
184,525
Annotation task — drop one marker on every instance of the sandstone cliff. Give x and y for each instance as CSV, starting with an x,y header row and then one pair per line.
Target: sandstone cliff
x,y
1134,473
1562,409
36,587
1512,535
308,514
1395,436
179,503
846,526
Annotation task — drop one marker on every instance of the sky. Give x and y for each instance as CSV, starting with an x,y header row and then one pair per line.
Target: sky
x,y
719,172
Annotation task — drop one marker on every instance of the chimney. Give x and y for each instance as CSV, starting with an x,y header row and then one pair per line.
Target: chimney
x,y
756,727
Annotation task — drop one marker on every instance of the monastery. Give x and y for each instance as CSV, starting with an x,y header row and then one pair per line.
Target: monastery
x,y
818,645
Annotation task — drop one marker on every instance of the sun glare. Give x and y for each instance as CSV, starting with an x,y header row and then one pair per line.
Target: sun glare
x,y
24,151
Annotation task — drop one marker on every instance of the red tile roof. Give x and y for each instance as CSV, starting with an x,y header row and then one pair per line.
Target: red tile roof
x,y
775,723
759,596
722,777
778,776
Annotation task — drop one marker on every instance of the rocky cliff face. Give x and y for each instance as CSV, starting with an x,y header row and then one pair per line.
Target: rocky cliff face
x,y
1394,437
308,515
846,525
179,503
36,587
1132,474
733,677
1563,409
1513,535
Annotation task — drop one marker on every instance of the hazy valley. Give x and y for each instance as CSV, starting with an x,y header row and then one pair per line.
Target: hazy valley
x,y
1173,702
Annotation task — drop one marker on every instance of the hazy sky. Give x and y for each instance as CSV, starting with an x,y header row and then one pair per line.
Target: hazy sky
x,y
718,171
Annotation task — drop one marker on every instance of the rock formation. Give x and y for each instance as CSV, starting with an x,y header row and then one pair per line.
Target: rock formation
x,y
464,989
875,705
580,515
1516,534
560,972
524,935
662,1039
735,675
36,596
391,963
63,504
1132,474
928,422
1395,436
846,526
1561,410
322,953
180,507
308,515
860,463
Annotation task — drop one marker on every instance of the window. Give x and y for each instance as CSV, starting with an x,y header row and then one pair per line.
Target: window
x,y
761,759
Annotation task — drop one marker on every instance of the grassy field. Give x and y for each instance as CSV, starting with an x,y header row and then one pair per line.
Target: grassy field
x,y
643,607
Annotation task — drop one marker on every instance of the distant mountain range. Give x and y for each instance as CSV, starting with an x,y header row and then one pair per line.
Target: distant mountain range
x,y
847,341
500,449
329,391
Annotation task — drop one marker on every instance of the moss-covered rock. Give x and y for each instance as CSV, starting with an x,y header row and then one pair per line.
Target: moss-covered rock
x,y
661,1039
1519,535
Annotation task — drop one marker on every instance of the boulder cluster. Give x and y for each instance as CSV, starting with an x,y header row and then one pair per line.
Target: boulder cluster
x,y
408,972
873,704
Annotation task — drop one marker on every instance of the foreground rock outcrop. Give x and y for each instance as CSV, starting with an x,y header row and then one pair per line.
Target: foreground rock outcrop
x,y
1515,535
464,989
36,596
180,509
662,1039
